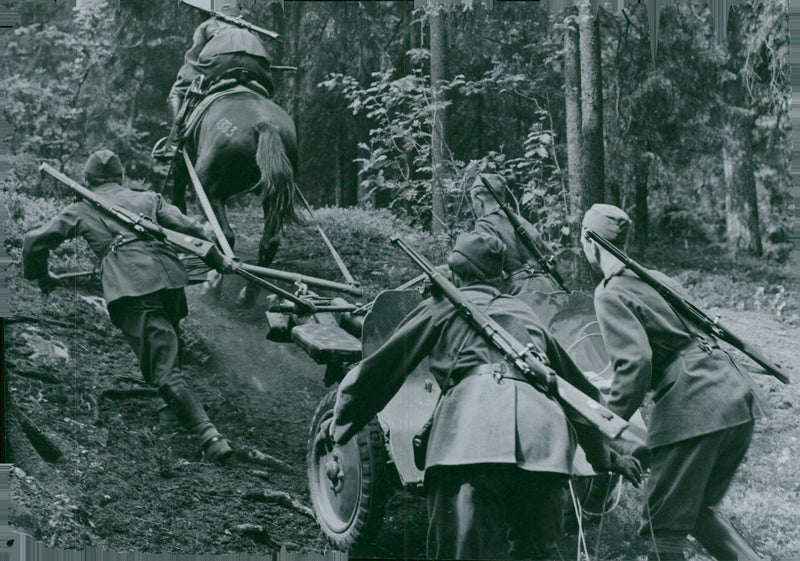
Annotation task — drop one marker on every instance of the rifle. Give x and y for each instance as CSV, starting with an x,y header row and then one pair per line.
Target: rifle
x,y
146,227
695,315
522,357
234,21
545,261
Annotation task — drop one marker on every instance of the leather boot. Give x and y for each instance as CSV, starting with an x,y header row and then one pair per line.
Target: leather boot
x,y
193,417
667,547
721,539
166,148
173,108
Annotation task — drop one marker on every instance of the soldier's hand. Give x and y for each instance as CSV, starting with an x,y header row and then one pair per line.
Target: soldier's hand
x,y
625,447
208,233
323,442
227,266
628,467
48,283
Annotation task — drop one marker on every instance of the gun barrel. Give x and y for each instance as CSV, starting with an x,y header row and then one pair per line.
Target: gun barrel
x,y
689,310
310,281
246,25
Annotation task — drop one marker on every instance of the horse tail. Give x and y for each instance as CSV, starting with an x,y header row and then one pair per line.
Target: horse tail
x,y
276,185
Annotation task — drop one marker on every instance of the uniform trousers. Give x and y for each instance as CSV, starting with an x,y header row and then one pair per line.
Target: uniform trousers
x,y
493,511
214,66
688,478
151,325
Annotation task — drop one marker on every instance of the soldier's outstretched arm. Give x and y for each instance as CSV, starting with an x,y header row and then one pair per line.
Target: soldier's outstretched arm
x,y
628,349
171,217
366,389
38,243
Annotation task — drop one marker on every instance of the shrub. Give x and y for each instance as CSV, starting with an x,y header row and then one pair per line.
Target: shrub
x,y
362,238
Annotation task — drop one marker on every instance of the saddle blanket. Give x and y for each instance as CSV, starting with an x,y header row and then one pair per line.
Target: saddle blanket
x,y
197,113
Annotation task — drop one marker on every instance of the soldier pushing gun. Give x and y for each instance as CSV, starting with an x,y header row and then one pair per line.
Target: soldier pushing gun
x,y
527,268
500,445
143,282
705,405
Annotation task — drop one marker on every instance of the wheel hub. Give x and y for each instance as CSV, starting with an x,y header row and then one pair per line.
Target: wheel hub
x,y
334,473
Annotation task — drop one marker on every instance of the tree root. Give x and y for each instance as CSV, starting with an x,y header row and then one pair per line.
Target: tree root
x,y
33,319
44,444
126,393
254,456
37,375
280,498
257,533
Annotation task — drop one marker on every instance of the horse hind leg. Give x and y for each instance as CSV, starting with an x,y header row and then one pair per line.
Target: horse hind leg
x,y
267,248
214,278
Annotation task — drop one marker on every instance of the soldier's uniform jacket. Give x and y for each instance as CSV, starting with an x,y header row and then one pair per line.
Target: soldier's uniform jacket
x,y
214,37
478,420
130,266
698,389
518,258
232,39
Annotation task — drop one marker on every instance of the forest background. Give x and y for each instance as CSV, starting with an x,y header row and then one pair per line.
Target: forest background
x,y
396,109
570,107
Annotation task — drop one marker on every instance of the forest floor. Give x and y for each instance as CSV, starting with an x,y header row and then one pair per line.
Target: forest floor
x,y
114,475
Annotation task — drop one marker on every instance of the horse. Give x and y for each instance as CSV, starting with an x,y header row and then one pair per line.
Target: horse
x,y
244,142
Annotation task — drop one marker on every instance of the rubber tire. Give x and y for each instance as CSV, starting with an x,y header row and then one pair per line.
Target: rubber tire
x,y
369,445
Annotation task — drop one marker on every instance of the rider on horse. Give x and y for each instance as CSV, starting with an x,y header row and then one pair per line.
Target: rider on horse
x,y
217,47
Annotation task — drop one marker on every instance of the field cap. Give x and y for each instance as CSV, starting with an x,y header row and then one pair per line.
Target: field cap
x,y
102,165
484,251
609,221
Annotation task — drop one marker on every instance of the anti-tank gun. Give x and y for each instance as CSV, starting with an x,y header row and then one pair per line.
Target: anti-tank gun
x,y
350,486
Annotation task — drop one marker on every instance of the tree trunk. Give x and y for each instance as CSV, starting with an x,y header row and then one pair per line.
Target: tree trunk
x,y
297,81
347,154
641,223
741,201
338,175
572,93
279,24
438,151
479,129
591,108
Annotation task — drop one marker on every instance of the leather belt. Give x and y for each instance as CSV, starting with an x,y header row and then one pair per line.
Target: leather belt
x,y
499,370
118,242
524,272
698,341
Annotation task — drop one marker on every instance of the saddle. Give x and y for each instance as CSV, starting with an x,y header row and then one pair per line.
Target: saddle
x,y
221,89
197,101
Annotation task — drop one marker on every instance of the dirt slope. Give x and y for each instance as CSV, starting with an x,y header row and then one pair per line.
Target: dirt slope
x,y
127,481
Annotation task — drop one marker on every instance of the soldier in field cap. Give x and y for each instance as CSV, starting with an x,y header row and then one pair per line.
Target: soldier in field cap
x,y
143,282
499,450
704,403
521,269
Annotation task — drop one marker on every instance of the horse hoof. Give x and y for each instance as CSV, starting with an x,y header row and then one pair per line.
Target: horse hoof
x,y
213,285
246,298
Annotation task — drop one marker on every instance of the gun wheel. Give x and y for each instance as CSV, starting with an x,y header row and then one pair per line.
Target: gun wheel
x,y
349,486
